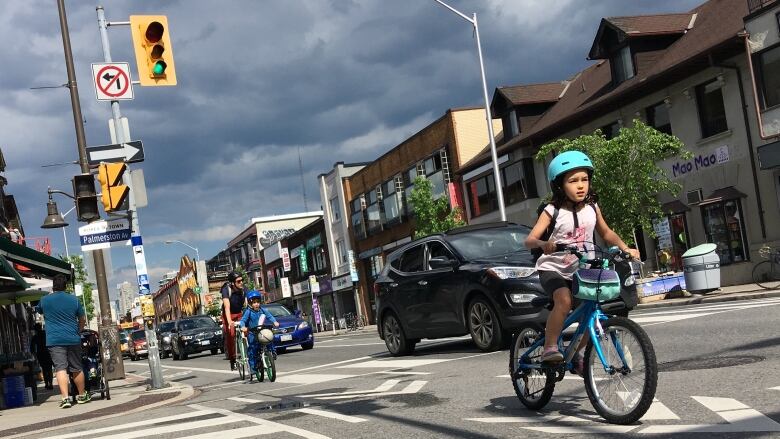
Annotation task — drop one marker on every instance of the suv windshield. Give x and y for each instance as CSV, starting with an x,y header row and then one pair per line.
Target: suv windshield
x,y
489,243
277,310
166,327
206,323
139,335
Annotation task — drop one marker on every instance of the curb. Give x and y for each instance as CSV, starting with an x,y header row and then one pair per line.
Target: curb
x,y
184,392
747,295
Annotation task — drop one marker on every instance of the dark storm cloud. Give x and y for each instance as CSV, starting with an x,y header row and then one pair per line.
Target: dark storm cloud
x,y
342,80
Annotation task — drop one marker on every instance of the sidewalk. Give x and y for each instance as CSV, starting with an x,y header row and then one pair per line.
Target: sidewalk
x,y
724,294
127,396
370,329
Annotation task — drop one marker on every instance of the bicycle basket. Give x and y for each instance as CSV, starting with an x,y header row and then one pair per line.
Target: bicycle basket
x,y
596,284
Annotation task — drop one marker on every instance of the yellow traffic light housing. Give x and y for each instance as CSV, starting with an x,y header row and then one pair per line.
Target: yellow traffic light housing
x,y
153,50
114,193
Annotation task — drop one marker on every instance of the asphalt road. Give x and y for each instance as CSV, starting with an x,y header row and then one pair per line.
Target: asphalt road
x,y
719,377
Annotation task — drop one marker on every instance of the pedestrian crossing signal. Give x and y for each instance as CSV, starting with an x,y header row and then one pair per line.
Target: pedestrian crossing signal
x,y
153,50
114,193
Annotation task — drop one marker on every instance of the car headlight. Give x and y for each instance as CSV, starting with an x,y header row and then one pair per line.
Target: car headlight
x,y
511,272
186,337
218,332
303,325
521,297
167,339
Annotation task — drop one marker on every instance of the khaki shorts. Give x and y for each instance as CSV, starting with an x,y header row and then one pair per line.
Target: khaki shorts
x,y
66,358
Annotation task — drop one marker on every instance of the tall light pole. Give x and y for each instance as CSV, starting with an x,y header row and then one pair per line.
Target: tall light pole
x,y
488,116
197,255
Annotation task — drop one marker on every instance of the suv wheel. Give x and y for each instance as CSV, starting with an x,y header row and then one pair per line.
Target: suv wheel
x,y
395,339
484,327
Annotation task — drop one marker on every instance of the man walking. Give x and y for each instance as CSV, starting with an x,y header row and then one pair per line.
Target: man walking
x,y
65,318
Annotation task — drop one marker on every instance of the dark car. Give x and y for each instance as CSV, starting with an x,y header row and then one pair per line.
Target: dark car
x,y
478,280
164,332
292,329
195,334
138,346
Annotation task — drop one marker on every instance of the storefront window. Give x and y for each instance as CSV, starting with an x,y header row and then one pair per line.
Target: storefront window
x,y
390,202
357,217
373,215
409,176
482,195
518,181
433,171
725,228
672,241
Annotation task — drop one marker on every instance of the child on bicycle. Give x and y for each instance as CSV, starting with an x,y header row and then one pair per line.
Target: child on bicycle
x,y
254,316
578,216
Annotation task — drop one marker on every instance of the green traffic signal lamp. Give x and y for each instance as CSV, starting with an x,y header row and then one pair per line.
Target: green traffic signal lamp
x,y
159,68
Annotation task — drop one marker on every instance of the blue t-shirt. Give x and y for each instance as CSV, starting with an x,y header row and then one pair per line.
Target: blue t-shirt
x,y
61,312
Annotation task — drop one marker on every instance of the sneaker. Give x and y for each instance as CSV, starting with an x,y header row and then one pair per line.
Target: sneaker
x,y
232,364
83,399
552,355
65,403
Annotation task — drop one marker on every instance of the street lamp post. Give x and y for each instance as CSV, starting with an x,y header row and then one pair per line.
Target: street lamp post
x,y
197,255
488,116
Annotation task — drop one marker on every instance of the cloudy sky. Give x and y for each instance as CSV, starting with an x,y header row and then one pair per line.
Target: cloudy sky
x,y
342,80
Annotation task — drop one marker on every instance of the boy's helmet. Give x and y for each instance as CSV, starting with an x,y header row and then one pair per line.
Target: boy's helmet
x,y
567,161
254,294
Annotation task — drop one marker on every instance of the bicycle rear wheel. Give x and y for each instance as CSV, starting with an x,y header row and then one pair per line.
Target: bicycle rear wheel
x,y
624,394
767,275
534,387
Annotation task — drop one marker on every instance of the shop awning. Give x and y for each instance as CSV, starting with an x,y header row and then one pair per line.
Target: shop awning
x,y
37,262
769,155
675,206
726,193
16,289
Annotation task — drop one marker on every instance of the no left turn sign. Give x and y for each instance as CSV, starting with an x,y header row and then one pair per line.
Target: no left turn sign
x,y
112,81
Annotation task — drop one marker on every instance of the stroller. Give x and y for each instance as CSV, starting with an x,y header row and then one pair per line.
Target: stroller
x,y
94,379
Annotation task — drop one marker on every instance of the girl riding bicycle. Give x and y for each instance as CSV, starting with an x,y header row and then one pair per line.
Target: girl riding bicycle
x,y
573,215
253,317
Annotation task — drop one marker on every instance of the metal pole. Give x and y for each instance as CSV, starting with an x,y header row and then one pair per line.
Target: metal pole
x,y
64,235
488,116
151,337
81,140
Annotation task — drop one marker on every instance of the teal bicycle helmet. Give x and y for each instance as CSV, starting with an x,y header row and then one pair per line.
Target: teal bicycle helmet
x,y
567,161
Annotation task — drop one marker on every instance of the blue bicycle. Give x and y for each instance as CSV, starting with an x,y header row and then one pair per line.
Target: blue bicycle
x,y
620,369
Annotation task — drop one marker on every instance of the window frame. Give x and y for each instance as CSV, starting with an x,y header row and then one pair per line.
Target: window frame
x,y
492,203
422,249
526,167
356,208
742,230
335,211
704,128
391,183
761,76
618,54
650,117
373,200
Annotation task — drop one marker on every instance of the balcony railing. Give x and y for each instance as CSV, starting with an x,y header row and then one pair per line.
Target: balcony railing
x,y
755,5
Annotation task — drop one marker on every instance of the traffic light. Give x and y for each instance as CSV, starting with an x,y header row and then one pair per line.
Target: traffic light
x,y
86,197
114,193
153,50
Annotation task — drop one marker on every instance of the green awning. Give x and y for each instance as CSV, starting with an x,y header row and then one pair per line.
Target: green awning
x,y
37,262
10,279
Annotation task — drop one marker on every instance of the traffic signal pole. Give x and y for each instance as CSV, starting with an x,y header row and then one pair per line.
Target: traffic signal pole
x,y
135,229
112,365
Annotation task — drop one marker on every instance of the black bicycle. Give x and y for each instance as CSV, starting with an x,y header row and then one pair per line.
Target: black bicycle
x,y
354,322
265,364
766,274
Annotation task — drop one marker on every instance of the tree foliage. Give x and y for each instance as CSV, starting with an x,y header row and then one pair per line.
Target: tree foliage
x,y
214,309
432,215
81,279
627,178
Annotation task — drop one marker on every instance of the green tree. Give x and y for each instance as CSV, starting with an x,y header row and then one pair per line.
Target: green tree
x,y
214,309
627,178
432,215
81,279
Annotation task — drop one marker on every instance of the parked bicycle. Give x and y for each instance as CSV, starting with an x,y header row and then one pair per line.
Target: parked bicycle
x,y
354,322
265,364
620,369
767,273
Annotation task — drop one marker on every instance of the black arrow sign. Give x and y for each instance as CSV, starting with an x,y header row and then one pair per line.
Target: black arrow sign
x,y
128,152
109,77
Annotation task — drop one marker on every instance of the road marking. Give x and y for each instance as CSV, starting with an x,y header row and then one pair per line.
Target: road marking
x,y
387,385
311,378
393,364
668,318
658,412
248,400
195,369
326,365
400,372
143,423
774,388
236,434
264,423
583,429
382,390
514,419
145,432
350,345
740,418
570,377
332,415
177,374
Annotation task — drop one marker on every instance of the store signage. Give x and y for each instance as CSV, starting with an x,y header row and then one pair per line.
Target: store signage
x,y
342,283
663,233
699,162
314,242
313,284
352,269
286,287
272,253
286,259
304,261
315,308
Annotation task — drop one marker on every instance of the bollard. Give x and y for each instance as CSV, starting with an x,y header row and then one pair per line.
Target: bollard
x,y
333,324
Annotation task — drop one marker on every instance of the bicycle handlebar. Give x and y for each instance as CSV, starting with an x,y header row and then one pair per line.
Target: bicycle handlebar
x,y
613,252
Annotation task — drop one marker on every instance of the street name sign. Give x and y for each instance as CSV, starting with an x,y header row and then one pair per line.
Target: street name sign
x,y
112,81
128,152
100,234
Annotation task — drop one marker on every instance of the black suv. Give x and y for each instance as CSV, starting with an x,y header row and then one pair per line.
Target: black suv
x,y
477,280
195,334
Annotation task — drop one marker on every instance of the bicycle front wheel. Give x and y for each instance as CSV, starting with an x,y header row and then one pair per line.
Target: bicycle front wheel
x,y
623,393
534,387
767,275
270,366
241,349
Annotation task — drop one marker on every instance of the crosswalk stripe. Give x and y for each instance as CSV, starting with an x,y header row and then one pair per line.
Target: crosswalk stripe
x,y
237,433
145,432
392,364
265,424
310,378
144,423
580,429
707,307
387,385
658,411
740,418
774,388
514,419
332,415
248,400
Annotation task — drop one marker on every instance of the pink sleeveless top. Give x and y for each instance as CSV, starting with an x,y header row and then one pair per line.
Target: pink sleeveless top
x,y
565,233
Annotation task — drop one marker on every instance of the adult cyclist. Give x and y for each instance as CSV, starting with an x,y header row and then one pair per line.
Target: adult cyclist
x,y
233,302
